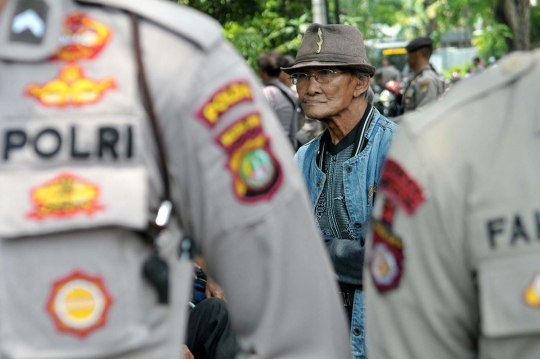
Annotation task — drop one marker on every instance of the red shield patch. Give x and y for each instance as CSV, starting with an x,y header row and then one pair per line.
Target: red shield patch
x,y
401,187
386,258
257,174
82,38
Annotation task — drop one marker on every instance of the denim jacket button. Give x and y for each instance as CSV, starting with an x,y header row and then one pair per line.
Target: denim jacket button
x,y
357,331
357,225
319,184
349,169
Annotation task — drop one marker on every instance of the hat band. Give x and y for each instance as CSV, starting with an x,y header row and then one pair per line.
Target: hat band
x,y
346,60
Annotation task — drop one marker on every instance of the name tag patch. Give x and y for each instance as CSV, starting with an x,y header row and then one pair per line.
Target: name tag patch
x,y
79,304
223,100
257,174
70,88
50,201
82,38
65,196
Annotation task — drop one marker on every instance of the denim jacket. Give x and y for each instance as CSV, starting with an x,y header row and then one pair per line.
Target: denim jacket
x,y
361,172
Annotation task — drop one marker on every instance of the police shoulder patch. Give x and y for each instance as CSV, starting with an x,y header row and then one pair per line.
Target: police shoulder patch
x,y
386,258
401,187
223,100
257,174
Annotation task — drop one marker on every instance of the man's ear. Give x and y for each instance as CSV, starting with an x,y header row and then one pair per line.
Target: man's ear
x,y
362,85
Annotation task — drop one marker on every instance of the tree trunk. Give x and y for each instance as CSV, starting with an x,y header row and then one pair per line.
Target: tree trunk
x,y
517,15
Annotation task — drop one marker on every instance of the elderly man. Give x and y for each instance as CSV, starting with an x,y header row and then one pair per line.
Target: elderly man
x,y
342,165
425,85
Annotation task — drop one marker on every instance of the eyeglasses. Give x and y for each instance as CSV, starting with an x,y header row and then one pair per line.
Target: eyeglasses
x,y
322,76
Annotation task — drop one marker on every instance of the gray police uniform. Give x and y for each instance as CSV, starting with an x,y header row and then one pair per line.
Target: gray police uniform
x,y
79,174
286,105
424,87
454,257
387,73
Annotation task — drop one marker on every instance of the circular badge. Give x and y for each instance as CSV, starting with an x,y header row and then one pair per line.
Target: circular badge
x,y
79,304
384,267
257,168
532,292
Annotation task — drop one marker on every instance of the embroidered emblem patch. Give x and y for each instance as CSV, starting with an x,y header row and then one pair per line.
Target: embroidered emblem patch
x,y
319,44
79,304
70,88
256,172
81,38
405,191
223,100
532,292
386,258
65,196
424,85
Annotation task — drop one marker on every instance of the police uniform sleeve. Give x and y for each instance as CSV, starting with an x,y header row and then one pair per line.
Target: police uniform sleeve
x,y
427,90
420,294
243,201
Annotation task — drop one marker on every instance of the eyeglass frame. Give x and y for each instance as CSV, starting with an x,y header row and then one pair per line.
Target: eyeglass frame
x,y
294,77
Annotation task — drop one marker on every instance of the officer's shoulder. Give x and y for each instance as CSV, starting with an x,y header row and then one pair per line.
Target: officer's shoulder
x,y
471,92
194,26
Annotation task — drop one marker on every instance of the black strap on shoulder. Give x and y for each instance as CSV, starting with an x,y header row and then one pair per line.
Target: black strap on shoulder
x,y
286,96
295,110
149,106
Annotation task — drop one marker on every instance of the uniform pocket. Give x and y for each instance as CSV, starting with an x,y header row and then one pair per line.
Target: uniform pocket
x,y
80,295
510,296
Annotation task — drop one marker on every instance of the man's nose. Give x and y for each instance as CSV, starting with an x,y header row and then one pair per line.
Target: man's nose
x,y
313,86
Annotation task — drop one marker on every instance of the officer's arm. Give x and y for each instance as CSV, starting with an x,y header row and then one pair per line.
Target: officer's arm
x,y
427,91
249,213
419,289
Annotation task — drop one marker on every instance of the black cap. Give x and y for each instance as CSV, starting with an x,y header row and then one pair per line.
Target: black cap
x,y
418,43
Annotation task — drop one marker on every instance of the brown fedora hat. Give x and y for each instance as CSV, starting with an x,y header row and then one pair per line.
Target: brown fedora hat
x,y
332,46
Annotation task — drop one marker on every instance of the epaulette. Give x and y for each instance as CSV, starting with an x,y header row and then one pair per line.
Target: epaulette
x,y
507,71
196,27
29,31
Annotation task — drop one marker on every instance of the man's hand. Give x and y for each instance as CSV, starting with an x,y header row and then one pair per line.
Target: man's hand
x,y
213,289
187,353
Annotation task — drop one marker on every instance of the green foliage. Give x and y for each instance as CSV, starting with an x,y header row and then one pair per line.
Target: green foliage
x,y
266,32
256,26
491,40
535,26
461,69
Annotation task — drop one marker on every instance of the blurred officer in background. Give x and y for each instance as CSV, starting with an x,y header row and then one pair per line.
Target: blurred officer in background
x,y
387,72
115,114
424,85
281,97
454,255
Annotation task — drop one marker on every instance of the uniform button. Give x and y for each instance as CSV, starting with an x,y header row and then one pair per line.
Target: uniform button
x,y
357,225
357,331
349,169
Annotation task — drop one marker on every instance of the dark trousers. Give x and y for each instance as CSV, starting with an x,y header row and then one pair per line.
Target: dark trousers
x,y
210,335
